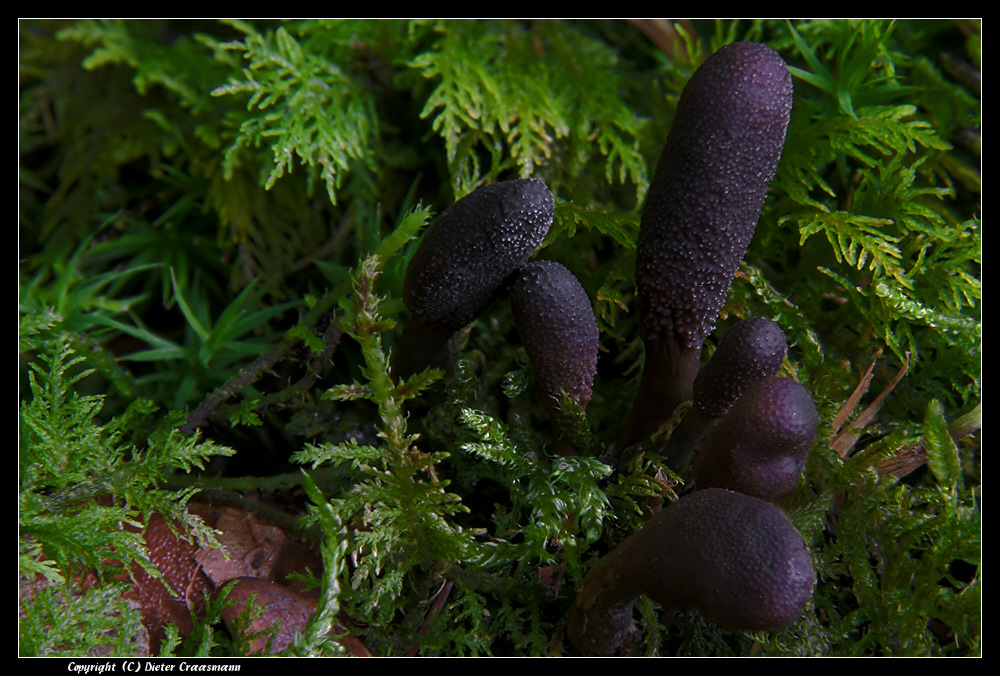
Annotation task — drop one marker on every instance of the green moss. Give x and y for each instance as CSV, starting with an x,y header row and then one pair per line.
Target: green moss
x,y
215,222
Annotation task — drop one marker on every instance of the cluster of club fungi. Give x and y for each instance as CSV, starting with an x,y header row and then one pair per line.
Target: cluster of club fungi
x,y
724,547
476,251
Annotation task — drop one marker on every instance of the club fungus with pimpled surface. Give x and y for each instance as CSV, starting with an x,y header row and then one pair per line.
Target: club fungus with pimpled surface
x,y
700,214
760,446
735,558
555,321
463,263
752,349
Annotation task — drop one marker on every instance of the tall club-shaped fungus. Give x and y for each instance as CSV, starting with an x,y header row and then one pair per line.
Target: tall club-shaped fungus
x,y
464,262
700,214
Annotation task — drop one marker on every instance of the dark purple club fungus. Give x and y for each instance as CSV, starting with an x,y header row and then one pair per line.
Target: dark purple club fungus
x,y
556,324
463,263
760,446
753,349
700,214
735,558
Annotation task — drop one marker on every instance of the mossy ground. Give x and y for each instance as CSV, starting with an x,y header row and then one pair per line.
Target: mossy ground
x,y
215,219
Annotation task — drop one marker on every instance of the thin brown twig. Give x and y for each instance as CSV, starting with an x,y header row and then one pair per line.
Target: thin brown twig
x,y
440,599
844,439
664,35
254,371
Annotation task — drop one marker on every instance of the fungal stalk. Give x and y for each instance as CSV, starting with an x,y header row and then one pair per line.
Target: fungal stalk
x,y
700,214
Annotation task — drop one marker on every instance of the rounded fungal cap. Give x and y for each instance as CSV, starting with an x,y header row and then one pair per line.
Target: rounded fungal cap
x,y
760,447
556,324
473,247
709,187
751,350
734,557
